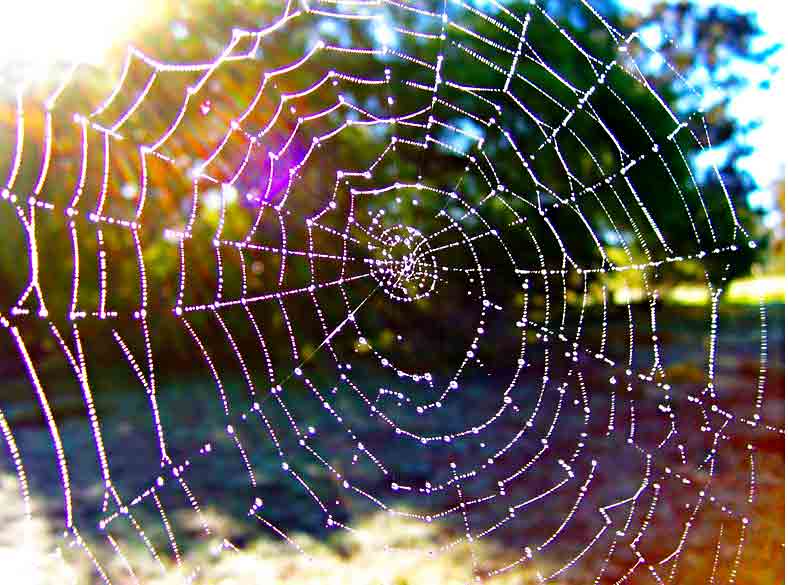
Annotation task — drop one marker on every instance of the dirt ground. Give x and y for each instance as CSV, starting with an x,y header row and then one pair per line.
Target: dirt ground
x,y
711,507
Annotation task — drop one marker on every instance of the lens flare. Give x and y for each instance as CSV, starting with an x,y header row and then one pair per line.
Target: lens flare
x,y
37,34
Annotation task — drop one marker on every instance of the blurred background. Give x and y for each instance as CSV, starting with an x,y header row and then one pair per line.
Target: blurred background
x,y
722,59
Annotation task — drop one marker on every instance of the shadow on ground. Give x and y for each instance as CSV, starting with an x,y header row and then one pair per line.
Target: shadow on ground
x,y
236,515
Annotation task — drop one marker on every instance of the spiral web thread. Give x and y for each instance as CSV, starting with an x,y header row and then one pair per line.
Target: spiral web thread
x,y
374,258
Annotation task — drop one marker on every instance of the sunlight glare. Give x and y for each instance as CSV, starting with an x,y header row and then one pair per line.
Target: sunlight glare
x,y
36,34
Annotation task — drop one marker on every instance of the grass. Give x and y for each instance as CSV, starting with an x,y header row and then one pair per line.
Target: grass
x,y
750,290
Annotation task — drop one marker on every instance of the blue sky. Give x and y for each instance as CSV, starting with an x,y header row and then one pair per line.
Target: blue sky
x,y
767,106
766,164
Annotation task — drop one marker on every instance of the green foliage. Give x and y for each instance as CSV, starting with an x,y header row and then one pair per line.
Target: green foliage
x,y
617,212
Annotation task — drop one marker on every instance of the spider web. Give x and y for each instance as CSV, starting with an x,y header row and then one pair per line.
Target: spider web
x,y
545,423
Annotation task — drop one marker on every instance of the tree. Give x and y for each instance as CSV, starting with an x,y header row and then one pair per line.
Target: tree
x,y
645,205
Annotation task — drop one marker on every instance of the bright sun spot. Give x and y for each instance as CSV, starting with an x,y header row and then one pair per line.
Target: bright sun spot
x,y
36,34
